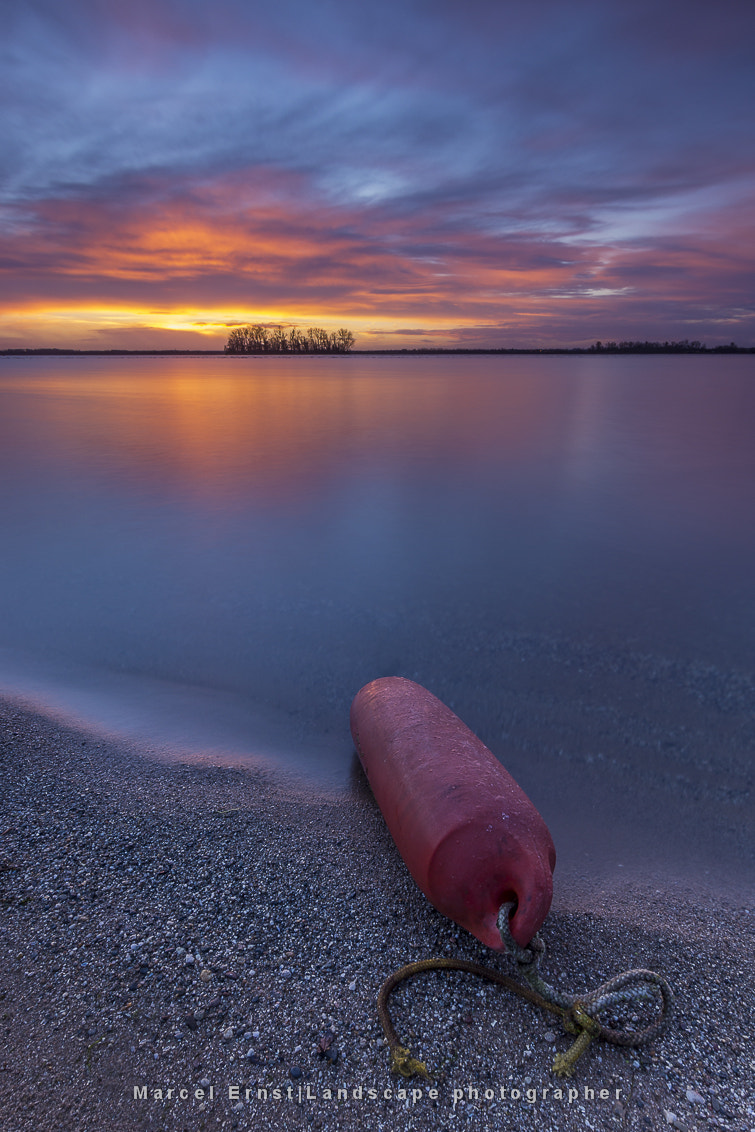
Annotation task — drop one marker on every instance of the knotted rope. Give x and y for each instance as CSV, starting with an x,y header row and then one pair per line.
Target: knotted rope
x,y
579,1013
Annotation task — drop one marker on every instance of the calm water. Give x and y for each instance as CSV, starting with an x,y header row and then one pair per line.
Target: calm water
x,y
216,553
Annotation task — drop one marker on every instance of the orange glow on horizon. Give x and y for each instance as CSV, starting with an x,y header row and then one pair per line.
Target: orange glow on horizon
x,y
39,326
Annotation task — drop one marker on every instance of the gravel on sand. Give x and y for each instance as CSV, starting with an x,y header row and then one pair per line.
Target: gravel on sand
x,y
200,947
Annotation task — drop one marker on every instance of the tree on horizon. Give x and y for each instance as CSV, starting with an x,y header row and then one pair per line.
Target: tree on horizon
x,y
259,339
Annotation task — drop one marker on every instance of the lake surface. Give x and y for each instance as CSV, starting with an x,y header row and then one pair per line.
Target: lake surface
x,y
214,554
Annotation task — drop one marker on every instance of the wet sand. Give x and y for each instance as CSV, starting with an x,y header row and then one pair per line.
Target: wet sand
x,y
204,929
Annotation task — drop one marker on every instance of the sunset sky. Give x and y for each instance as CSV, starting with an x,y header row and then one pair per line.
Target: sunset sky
x,y
424,172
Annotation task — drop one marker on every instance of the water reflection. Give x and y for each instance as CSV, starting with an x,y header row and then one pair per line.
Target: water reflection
x,y
260,428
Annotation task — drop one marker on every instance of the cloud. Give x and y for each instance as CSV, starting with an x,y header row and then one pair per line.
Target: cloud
x,y
439,157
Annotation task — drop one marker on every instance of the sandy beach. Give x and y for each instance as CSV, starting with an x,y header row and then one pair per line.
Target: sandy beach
x,y
199,947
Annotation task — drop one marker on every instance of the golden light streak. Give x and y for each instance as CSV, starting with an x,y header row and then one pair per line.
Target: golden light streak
x,y
41,326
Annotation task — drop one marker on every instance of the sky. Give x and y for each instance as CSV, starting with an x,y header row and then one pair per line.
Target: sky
x,y
424,172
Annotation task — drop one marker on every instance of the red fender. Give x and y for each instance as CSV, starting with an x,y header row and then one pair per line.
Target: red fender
x,y
469,835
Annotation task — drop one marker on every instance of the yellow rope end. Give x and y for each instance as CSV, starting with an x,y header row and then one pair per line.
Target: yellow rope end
x,y
405,1065
563,1066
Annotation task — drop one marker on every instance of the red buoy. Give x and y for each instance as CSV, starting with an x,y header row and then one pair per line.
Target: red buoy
x,y
469,835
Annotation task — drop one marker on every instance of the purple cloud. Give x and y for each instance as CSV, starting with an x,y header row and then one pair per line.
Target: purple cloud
x,y
559,142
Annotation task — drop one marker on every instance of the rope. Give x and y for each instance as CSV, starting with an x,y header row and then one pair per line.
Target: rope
x,y
578,1013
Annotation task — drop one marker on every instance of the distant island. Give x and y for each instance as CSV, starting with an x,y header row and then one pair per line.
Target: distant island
x,y
261,339
248,340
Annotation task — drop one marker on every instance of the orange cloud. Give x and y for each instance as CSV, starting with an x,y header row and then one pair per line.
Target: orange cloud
x,y
144,268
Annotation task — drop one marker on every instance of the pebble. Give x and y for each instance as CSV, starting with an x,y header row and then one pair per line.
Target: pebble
x,y
694,1097
205,976
228,1034
549,1036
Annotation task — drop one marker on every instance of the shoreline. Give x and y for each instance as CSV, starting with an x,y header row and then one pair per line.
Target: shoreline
x,y
118,869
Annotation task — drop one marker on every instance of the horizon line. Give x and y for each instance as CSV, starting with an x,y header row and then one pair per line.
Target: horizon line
x,y
598,349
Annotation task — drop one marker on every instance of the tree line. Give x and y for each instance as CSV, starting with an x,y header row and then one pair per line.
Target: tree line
x,y
260,339
682,347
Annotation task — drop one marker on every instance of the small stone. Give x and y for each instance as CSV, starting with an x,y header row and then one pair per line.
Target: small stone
x,y
549,1036
205,975
204,1083
180,952
189,961
670,1116
295,1072
285,973
694,1097
228,1034
352,986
